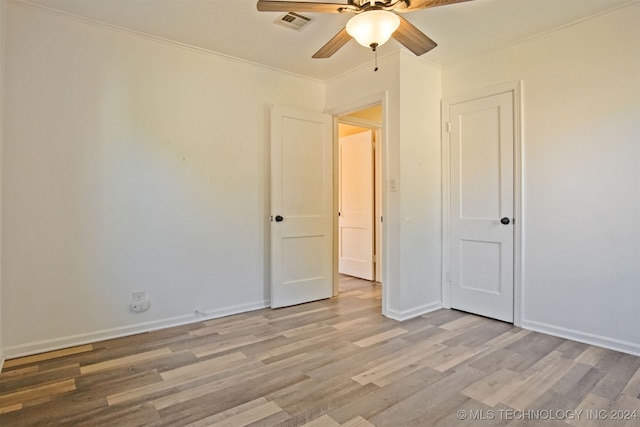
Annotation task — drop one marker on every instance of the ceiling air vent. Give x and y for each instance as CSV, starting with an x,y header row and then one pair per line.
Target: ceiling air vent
x,y
293,20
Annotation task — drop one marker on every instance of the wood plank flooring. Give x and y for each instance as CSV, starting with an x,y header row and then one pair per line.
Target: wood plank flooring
x,y
336,362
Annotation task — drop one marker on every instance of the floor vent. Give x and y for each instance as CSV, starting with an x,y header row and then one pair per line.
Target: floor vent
x,y
293,20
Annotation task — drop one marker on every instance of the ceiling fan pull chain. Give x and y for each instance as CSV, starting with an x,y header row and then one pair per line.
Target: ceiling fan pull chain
x,y
375,55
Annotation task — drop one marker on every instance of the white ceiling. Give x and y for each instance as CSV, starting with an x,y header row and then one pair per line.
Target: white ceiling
x,y
236,28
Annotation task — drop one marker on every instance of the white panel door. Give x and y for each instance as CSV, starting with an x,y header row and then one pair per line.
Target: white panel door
x,y
355,236
482,206
301,206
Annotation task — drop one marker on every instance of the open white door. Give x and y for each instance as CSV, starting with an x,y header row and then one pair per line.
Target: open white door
x,y
482,206
355,247
301,206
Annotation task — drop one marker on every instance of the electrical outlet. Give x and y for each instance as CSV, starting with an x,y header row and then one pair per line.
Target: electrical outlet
x,y
139,296
140,306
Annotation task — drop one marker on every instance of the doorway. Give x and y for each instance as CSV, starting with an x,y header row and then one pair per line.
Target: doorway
x,y
359,194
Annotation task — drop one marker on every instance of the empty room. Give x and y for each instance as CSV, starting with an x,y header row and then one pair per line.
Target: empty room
x,y
308,213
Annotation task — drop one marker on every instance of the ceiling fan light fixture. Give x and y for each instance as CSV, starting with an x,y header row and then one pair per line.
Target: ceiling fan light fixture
x,y
373,28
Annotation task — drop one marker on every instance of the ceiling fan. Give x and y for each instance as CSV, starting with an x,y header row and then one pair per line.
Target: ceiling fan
x,y
375,21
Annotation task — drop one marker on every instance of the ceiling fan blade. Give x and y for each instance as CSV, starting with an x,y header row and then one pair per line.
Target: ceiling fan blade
x,y
333,45
301,6
412,38
424,4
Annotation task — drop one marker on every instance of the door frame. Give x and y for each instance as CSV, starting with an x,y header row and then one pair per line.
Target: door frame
x,y
381,156
515,87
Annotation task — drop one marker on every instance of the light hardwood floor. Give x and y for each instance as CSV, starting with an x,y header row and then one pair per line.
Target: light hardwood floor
x,y
336,362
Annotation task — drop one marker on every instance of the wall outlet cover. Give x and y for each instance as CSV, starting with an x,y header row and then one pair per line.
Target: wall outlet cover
x,y
140,306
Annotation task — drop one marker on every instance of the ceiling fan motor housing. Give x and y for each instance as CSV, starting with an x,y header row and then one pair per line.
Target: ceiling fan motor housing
x,y
382,4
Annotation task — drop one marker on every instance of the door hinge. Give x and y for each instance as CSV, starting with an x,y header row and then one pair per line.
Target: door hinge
x,y
381,219
448,276
449,127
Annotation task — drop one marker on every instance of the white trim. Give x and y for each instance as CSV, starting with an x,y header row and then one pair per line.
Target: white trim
x,y
583,337
360,104
518,212
354,121
445,269
336,204
378,197
515,87
414,312
511,86
123,331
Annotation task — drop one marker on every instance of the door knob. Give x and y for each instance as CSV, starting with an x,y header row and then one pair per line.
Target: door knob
x,y
279,218
505,221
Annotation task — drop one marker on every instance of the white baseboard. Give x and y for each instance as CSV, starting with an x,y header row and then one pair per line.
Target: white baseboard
x,y
107,334
228,311
414,312
583,337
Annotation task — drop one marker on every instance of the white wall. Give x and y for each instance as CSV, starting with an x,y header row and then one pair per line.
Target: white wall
x,y
420,178
130,164
411,158
358,89
581,161
2,26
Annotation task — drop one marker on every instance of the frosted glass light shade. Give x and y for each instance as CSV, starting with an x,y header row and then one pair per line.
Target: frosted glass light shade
x,y
373,27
